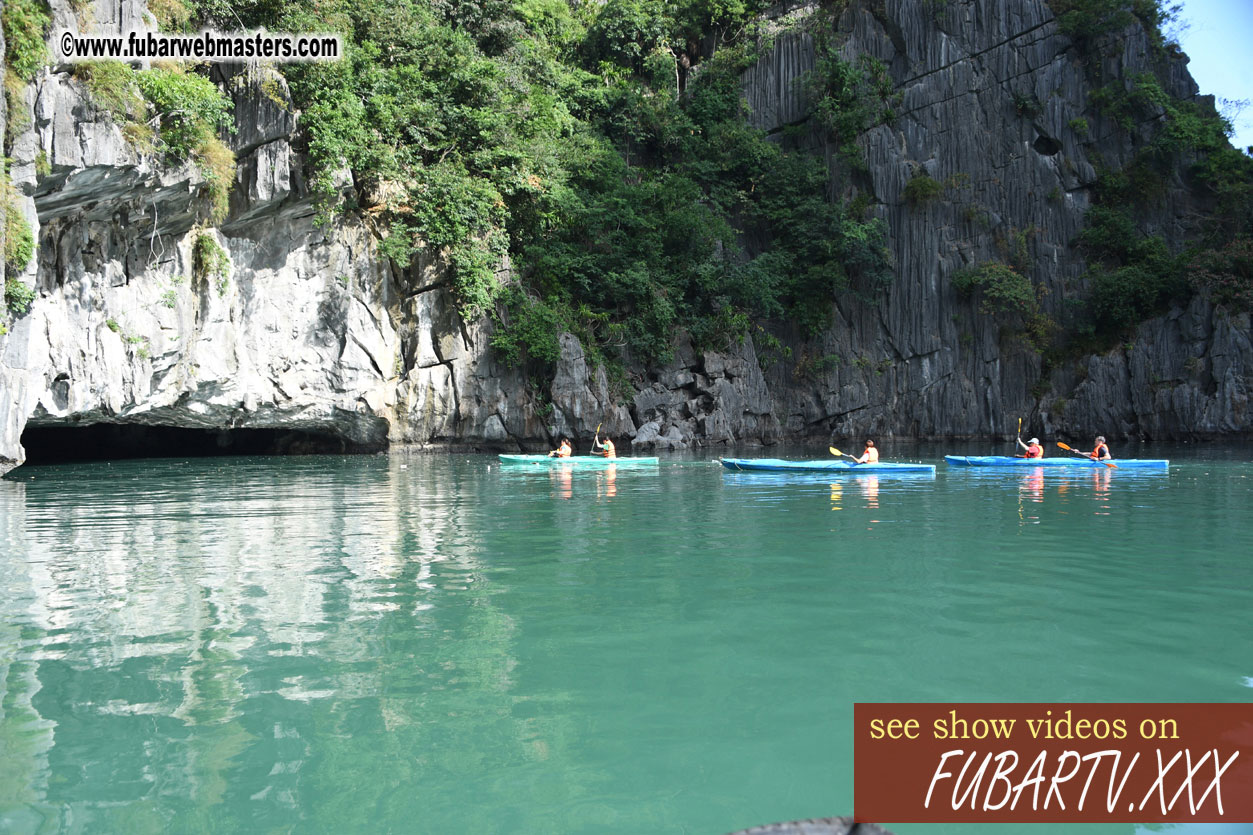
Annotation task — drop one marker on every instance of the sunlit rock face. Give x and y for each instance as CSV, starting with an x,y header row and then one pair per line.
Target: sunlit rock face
x,y
304,327
300,326
128,328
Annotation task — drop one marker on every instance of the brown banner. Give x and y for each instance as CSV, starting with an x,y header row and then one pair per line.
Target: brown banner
x,y
1040,763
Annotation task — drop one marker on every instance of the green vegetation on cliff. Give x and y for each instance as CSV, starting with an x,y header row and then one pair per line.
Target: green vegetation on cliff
x,y
24,22
18,249
210,261
848,96
1179,143
604,149
19,242
191,111
171,109
1088,22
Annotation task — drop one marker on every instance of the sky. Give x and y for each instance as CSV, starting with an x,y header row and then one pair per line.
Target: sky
x,y
1218,37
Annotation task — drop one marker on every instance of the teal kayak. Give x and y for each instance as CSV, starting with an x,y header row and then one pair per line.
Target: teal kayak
x,y
578,460
1083,463
835,467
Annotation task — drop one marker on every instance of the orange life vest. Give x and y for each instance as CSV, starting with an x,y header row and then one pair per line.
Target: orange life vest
x,y
1035,451
871,454
1100,452
607,449
563,451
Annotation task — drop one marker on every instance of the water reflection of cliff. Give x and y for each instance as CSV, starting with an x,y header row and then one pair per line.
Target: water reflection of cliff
x,y
25,736
263,603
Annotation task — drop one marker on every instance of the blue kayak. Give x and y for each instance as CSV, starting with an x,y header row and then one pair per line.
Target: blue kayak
x,y
834,467
577,460
1076,461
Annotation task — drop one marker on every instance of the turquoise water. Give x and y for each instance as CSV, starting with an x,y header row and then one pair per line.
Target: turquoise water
x,y
437,644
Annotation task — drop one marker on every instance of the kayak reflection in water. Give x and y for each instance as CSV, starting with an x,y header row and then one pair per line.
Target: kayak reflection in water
x,y
870,489
1032,488
607,482
1033,484
563,475
1100,491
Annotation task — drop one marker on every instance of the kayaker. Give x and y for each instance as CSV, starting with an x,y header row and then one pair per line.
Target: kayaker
x,y
606,448
562,451
1100,452
1033,448
870,455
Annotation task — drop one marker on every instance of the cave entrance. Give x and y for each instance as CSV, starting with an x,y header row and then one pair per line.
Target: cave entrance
x,y
114,441
1046,145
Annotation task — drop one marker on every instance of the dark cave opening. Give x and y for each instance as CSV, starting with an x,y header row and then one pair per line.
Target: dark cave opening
x,y
1046,145
114,441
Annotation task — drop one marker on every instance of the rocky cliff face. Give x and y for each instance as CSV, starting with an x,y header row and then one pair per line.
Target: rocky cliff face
x,y
305,330
930,364
309,330
924,362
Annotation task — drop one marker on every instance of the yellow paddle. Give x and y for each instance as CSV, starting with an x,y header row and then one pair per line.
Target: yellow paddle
x,y
1019,439
1109,464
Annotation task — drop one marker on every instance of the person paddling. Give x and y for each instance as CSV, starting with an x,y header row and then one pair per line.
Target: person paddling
x,y
870,455
606,448
1033,448
562,451
1100,452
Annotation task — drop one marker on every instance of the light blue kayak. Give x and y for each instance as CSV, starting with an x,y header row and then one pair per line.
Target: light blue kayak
x,y
832,466
1076,461
577,460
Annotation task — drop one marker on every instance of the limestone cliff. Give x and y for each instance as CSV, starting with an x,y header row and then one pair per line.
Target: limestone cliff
x,y
924,362
305,327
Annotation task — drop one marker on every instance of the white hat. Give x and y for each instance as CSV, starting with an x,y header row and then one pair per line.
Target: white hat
x,y
1034,441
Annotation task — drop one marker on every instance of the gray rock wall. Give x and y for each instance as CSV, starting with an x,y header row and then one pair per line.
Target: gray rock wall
x,y
923,362
310,329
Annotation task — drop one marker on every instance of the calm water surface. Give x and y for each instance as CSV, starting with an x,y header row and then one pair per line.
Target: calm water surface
x,y
437,644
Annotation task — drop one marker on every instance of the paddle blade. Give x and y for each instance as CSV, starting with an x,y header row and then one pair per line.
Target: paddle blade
x,y
835,451
1063,446
1110,464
